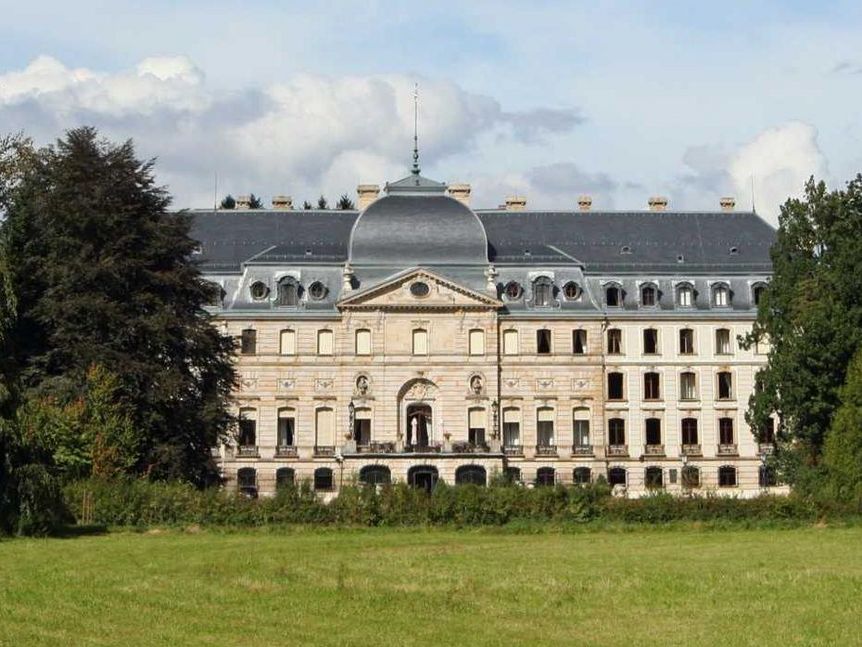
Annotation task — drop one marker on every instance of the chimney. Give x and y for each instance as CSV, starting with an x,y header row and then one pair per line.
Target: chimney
x,y
585,202
366,194
728,203
461,192
658,203
243,202
283,202
516,203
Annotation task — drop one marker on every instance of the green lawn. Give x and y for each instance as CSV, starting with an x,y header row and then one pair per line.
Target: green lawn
x,y
397,587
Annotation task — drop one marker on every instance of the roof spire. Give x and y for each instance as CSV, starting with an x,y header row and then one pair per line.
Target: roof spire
x,y
415,170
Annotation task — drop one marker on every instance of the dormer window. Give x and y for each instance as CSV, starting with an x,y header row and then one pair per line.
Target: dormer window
x,y
572,291
685,296
288,292
259,291
649,296
317,291
721,296
757,293
513,291
543,292
613,296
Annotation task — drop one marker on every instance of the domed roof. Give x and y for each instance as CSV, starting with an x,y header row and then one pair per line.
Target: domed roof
x,y
418,224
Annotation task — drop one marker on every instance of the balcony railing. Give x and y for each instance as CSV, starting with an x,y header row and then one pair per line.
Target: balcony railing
x,y
546,450
376,448
422,449
285,451
653,450
247,451
513,450
617,450
691,450
765,448
727,449
469,448
324,450
582,450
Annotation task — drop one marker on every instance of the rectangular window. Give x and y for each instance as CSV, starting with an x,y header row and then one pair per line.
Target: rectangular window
x,y
477,342
687,386
362,427
324,342
653,431
725,431
543,342
420,342
545,426
689,431
511,428
510,342
247,430
652,390
582,428
722,341
324,427
286,428
248,342
650,341
287,342
476,426
616,431
615,386
579,342
686,341
725,385
363,342
615,341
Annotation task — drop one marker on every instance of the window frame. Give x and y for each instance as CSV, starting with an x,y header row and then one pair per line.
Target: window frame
x,y
622,386
683,396
653,288
544,342
576,341
652,392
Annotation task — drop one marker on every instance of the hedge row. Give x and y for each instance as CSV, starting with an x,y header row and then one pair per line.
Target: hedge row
x,y
141,503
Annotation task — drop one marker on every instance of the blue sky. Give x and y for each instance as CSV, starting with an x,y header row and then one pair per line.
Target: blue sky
x,y
548,99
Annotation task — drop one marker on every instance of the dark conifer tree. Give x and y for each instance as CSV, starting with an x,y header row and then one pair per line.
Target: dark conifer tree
x,y
345,203
228,202
255,202
322,203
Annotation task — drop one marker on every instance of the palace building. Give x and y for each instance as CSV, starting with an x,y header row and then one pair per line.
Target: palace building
x,y
419,340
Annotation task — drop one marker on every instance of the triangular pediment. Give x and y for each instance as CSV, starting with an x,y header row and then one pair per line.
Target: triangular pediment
x,y
404,291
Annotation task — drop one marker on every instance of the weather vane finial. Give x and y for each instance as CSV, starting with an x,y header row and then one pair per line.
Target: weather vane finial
x,y
415,170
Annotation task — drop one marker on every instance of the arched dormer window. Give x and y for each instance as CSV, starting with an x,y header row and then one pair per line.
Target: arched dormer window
x,y
685,295
757,292
543,292
288,292
649,295
720,295
613,295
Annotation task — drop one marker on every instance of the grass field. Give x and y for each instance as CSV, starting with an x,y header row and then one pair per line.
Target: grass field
x,y
396,587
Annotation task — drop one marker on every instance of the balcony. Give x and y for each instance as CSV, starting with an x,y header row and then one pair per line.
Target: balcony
x,y
546,450
691,450
617,450
513,450
728,449
285,451
469,448
324,450
376,448
653,450
582,450
422,449
247,451
765,448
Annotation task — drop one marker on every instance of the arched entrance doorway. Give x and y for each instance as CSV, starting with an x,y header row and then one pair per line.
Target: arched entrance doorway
x,y
419,425
423,477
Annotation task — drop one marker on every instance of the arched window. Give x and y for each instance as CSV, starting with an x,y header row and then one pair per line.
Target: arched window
x,y
287,293
545,476
725,385
477,341
757,292
616,432
685,295
375,475
248,342
721,295
510,342
513,475
543,292
287,342
617,476
286,428
284,478
325,342
687,386
246,481
323,481
511,427
686,341
582,475
420,341
423,477
247,429
652,386
726,436
690,476
653,478
652,429
649,295
470,475
650,341
689,432
581,429
545,427
324,430
579,341
726,476
613,296
363,341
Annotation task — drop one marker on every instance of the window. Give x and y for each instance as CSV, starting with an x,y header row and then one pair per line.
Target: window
x,y
766,476
615,341
690,476
687,386
757,293
726,476
362,426
653,432
689,431
653,478
725,431
363,342
725,385
510,342
477,342
543,342
722,341
287,342
258,291
721,296
685,296
284,478
248,342
581,427
476,424
545,426
317,291
323,479
649,296
572,291
543,292
247,428
246,481
650,341
617,476
420,289
579,342
324,342
686,341
768,434
420,341
582,476
288,293
615,386
375,475
616,432
286,427
512,474
324,428
513,291
545,476
613,296
511,427
471,475
652,391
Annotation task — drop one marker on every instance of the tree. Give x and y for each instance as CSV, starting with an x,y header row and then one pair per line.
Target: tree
x,y
103,275
254,202
306,205
322,203
811,315
842,453
345,203
228,202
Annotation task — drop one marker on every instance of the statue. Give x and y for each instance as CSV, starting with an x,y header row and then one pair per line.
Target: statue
x,y
362,385
476,384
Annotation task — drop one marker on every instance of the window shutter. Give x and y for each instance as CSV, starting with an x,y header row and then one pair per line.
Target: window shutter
x,y
510,342
511,416
288,342
477,342
477,419
420,342
545,414
325,431
324,342
363,342
362,414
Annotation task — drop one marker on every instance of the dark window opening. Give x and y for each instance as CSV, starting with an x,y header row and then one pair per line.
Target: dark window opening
x,y
471,475
422,477
286,429
650,341
513,475
579,342
284,478
653,431
323,479
615,386
758,292
513,290
689,431
247,432
317,290
725,431
769,432
362,431
375,475
727,476
690,476
246,480
248,342
545,476
767,476
582,475
652,390
686,341
654,478
616,431
571,291
543,342
543,292
648,296
288,293
725,385
613,296
617,476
